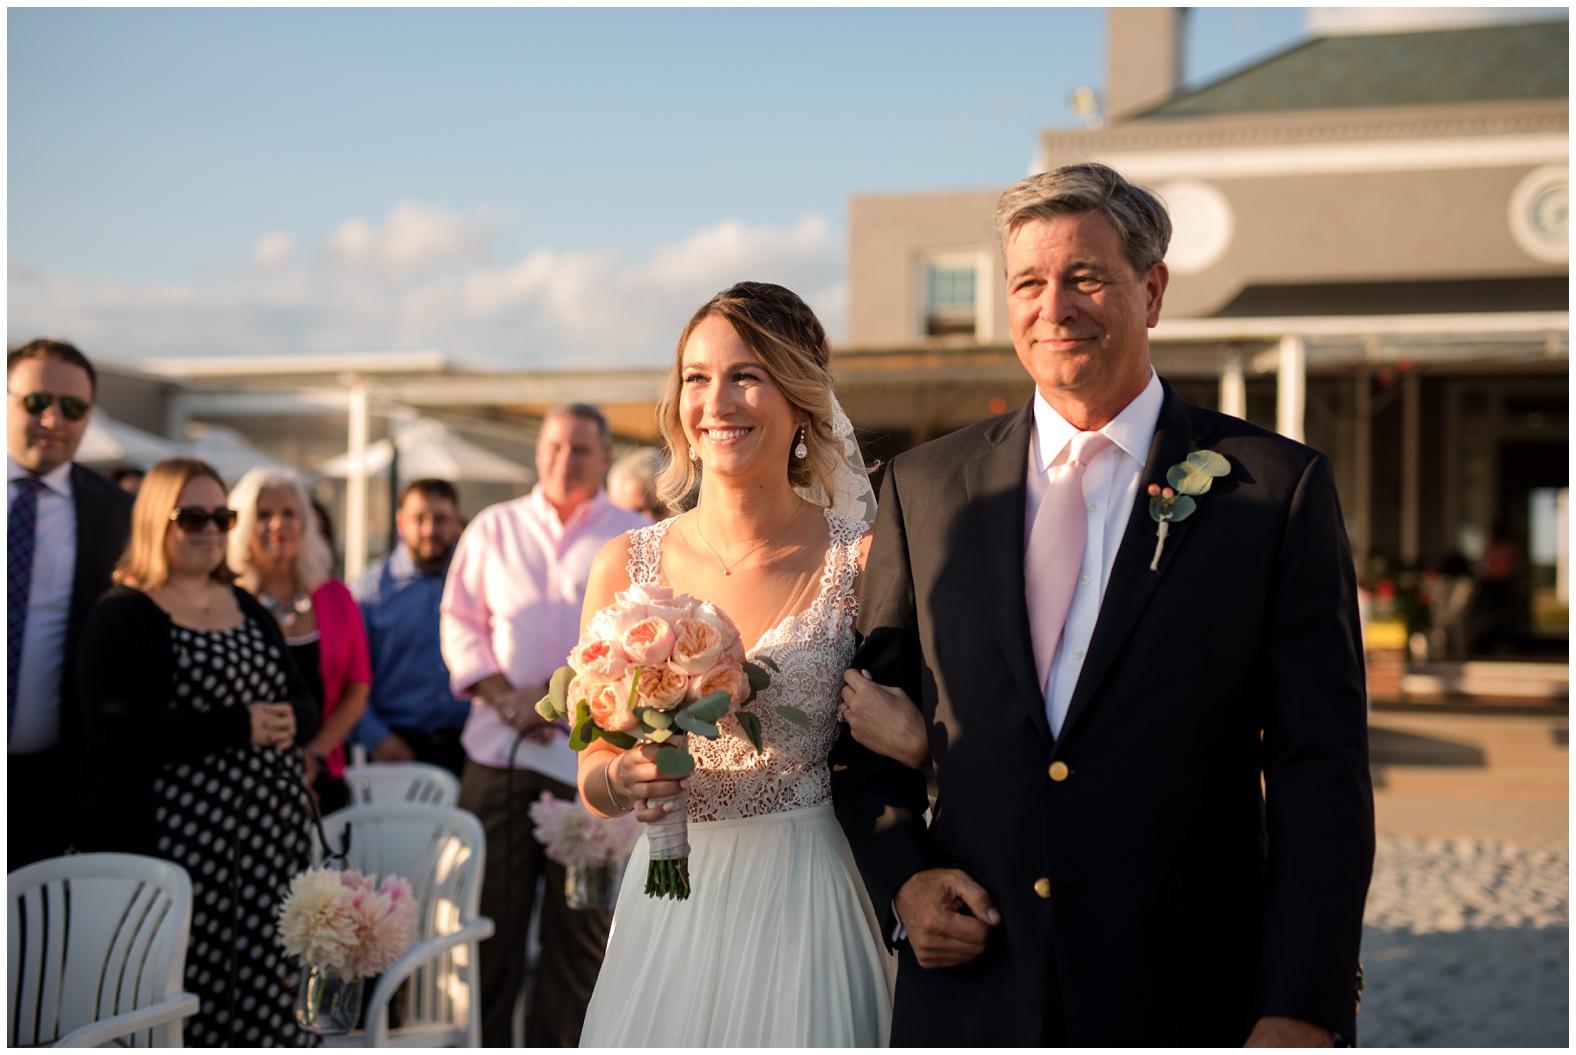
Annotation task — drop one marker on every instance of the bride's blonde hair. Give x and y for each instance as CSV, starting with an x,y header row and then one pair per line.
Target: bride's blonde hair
x,y
782,331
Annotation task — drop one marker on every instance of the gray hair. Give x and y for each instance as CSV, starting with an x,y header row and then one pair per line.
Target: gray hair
x,y
312,566
589,413
1138,215
642,463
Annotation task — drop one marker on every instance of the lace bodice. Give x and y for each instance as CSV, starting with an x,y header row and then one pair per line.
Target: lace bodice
x,y
813,648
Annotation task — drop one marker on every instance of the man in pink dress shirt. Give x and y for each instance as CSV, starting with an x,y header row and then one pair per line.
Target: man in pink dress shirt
x,y
510,615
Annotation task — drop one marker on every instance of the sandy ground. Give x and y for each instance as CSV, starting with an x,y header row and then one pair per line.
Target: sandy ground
x,y
1466,940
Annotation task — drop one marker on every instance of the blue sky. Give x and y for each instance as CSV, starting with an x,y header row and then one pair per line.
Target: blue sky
x,y
528,188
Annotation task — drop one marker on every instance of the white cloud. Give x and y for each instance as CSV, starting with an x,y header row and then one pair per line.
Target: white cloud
x,y
1337,21
272,249
423,278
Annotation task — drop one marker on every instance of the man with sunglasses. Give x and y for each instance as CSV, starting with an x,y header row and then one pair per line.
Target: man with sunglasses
x,y
67,527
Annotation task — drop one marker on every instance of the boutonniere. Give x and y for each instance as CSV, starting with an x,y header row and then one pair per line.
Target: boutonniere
x,y
1175,502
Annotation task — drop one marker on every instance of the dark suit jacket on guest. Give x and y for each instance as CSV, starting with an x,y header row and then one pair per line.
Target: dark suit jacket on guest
x,y
1153,888
103,515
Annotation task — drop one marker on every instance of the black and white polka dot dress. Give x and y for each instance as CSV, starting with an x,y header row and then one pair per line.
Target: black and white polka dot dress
x,y
240,806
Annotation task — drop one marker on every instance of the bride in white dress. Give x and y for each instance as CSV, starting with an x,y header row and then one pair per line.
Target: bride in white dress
x,y
777,944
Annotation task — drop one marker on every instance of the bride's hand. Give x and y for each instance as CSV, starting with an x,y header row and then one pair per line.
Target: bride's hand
x,y
634,776
884,719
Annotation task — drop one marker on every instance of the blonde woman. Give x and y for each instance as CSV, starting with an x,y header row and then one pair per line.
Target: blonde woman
x,y
195,710
777,945
281,556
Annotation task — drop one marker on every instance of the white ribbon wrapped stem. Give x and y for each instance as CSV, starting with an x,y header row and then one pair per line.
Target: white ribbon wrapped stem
x,y
669,837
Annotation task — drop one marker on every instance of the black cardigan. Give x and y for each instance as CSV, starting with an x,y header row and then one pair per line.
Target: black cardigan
x,y
125,672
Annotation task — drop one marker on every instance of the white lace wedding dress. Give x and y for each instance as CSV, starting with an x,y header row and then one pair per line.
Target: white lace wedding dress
x,y
777,945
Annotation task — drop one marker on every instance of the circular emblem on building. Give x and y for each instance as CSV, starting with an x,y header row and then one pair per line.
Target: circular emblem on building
x,y
1201,226
1540,212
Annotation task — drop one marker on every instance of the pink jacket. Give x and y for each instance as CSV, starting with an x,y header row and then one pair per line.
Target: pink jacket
x,y
342,652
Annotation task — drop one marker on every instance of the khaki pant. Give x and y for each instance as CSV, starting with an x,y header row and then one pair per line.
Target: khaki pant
x,y
573,941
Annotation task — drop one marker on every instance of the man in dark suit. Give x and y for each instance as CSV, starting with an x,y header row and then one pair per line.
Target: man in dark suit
x,y
1103,865
67,527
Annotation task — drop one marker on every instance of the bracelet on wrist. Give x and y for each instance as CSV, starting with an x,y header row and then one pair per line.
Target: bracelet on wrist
x,y
315,753
612,796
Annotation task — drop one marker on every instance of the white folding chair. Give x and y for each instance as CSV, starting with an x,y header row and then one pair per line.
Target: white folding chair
x,y
96,952
441,851
415,782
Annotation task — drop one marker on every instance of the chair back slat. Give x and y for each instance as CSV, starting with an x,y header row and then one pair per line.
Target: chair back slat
x,y
416,783
94,936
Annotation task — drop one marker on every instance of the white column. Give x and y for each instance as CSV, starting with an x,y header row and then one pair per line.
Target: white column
x,y
1411,461
1362,468
1290,387
356,483
1233,387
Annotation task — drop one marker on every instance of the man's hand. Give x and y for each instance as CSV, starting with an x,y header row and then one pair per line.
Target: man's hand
x,y
1278,1031
518,708
392,749
947,915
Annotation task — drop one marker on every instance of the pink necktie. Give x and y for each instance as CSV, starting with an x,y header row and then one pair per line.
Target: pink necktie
x,y
1056,549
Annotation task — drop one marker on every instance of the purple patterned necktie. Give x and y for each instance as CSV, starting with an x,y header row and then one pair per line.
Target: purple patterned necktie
x,y
20,529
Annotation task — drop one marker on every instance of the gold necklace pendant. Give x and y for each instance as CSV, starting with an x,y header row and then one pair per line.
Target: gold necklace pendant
x,y
724,564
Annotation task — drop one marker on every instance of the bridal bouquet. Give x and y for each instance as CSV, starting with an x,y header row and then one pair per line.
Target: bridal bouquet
x,y
653,666
347,923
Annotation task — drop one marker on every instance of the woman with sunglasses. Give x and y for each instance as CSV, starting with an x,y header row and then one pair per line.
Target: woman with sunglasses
x,y
280,554
195,711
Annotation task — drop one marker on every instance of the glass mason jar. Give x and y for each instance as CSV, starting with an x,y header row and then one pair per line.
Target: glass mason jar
x,y
590,886
326,1002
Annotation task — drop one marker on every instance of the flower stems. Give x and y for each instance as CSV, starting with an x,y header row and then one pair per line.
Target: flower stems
x,y
669,879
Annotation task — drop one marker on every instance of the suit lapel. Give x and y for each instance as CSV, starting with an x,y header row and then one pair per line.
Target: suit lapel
x,y
995,485
1179,431
86,562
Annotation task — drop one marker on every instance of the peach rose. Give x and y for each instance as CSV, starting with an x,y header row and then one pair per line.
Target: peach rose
x,y
610,622
599,657
671,611
732,646
727,676
648,643
696,646
645,593
610,707
661,687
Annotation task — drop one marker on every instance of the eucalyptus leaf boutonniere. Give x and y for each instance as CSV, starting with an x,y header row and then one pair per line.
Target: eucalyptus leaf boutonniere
x,y
1175,502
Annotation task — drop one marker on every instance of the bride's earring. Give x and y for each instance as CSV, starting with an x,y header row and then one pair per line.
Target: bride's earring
x,y
692,452
801,452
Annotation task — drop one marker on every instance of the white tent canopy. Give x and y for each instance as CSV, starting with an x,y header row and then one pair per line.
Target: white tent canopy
x,y
427,449
110,442
227,451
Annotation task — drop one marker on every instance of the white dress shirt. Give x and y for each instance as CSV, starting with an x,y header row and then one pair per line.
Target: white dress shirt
x,y
1110,485
36,725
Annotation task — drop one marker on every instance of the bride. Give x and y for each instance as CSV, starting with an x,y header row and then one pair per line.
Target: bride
x,y
777,945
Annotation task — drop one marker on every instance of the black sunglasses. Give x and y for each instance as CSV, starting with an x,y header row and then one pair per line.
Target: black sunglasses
x,y
35,403
192,520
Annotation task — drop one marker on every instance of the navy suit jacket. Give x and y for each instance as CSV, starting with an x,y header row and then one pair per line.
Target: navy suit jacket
x,y
1155,889
103,513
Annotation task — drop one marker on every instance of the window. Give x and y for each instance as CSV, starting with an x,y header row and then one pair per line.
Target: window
x,y
951,295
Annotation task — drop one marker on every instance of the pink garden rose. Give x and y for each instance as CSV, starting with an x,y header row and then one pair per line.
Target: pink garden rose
x,y
645,593
727,676
648,643
732,645
660,687
599,657
697,646
610,623
610,710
